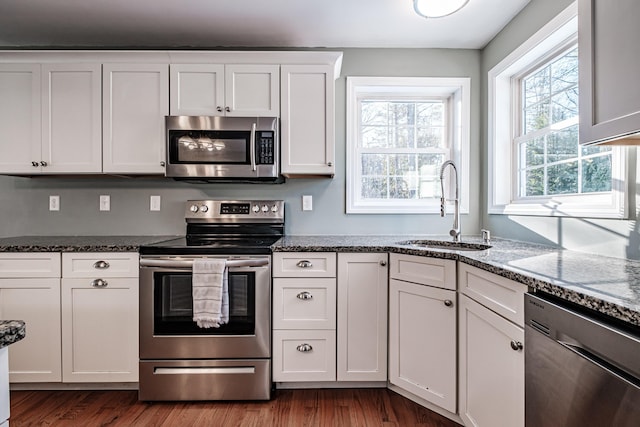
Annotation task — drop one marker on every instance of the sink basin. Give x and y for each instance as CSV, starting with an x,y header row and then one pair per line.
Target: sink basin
x,y
444,245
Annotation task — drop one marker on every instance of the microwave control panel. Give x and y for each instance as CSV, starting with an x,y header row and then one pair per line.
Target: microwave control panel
x,y
266,147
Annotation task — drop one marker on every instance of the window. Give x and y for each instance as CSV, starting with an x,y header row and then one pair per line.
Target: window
x,y
400,131
536,164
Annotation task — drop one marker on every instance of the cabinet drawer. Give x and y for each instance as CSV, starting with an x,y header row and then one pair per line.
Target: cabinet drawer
x,y
440,273
301,303
304,264
304,355
100,264
504,296
32,264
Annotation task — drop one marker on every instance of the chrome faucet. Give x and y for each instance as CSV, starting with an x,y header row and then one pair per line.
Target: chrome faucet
x,y
455,230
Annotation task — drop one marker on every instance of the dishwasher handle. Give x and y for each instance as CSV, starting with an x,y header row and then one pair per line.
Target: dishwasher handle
x,y
187,264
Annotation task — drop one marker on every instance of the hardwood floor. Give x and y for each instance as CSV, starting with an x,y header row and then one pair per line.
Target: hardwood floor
x,y
292,408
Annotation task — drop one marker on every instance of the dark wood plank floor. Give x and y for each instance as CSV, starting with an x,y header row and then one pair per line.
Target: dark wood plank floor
x,y
294,408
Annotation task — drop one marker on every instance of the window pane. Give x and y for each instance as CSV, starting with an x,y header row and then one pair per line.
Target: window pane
x,y
374,164
399,189
430,114
430,137
564,105
536,117
402,113
429,175
534,182
536,87
562,178
401,163
596,174
374,113
374,188
595,150
564,71
402,137
534,154
374,137
562,145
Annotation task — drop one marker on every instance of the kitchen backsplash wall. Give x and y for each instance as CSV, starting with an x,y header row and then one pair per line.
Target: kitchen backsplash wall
x,y
24,202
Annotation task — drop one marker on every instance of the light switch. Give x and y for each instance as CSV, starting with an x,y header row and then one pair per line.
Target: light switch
x,y
105,203
154,203
307,203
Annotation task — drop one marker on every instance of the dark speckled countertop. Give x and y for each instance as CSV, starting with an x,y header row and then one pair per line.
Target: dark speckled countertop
x,y
608,285
11,331
78,243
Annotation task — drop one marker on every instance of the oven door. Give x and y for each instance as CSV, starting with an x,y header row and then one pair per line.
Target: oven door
x,y
167,329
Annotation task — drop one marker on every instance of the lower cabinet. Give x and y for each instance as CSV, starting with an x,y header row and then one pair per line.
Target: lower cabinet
x,y
422,329
491,356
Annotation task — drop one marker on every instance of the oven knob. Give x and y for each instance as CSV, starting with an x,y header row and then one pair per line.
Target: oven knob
x,y
265,208
204,208
256,208
274,208
193,208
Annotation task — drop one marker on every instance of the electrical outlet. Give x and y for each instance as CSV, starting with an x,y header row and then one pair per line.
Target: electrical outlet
x,y
154,203
54,203
105,203
307,203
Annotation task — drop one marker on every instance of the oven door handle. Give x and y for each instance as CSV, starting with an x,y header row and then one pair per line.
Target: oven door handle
x,y
168,263
252,142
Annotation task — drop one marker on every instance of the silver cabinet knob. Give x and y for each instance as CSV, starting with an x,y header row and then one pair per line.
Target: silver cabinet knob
x,y
330,164
383,263
219,109
516,345
304,295
227,109
43,163
35,164
163,164
99,283
304,348
304,264
448,303
101,264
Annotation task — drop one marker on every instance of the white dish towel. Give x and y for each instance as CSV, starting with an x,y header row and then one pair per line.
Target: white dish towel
x,y
210,292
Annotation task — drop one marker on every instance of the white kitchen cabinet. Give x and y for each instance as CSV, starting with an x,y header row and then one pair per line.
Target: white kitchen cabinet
x,y
30,291
20,118
225,90
609,66
71,118
422,333
304,316
491,356
363,287
99,318
135,103
307,121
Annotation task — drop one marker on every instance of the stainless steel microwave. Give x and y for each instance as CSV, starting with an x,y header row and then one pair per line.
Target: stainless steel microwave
x,y
213,148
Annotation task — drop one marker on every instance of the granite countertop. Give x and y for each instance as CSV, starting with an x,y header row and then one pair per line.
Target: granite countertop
x,y
78,243
608,285
11,331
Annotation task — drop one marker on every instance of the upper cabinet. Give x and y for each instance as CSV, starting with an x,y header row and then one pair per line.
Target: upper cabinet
x,y
225,90
135,102
609,66
307,121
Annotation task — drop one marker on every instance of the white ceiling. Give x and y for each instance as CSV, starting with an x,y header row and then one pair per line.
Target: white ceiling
x,y
247,23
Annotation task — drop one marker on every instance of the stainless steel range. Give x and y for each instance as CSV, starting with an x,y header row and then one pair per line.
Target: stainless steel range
x,y
180,360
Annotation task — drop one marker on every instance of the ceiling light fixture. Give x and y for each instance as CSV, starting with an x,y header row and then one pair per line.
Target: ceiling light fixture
x,y
437,8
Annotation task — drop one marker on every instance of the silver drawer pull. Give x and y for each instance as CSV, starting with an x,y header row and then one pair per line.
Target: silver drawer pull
x,y
304,348
448,303
99,283
304,264
101,264
516,345
304,295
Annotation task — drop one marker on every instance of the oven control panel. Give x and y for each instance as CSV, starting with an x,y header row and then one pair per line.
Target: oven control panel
x,y
235,211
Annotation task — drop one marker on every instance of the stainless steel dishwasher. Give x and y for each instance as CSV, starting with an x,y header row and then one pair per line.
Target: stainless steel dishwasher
x,y
580,370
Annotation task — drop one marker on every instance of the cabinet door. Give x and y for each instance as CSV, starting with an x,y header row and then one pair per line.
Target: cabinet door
x,y
100,330
252,90
609,66
135,102
491,371
196,89
37,357
422,342
71,118
307,120
362,317
301,355
20,130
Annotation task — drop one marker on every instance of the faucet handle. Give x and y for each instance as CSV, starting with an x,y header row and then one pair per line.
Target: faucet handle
x,y
442,206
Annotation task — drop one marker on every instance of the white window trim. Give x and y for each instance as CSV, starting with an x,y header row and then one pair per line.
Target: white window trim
x,y
501,117
459,89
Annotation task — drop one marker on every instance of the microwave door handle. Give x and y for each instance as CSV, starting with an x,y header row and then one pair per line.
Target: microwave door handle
x,y
169,263
252,141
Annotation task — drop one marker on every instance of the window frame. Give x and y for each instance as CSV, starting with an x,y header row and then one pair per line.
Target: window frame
x,y
503,121
457,93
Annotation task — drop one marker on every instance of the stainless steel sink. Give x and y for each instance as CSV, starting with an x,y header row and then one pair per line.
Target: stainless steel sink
x,y
444,245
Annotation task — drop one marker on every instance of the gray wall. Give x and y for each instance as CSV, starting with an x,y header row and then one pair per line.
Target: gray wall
x,y
608,237
24,201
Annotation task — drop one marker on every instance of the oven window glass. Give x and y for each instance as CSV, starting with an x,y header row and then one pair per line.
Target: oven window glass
x,y
209,147
173,305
